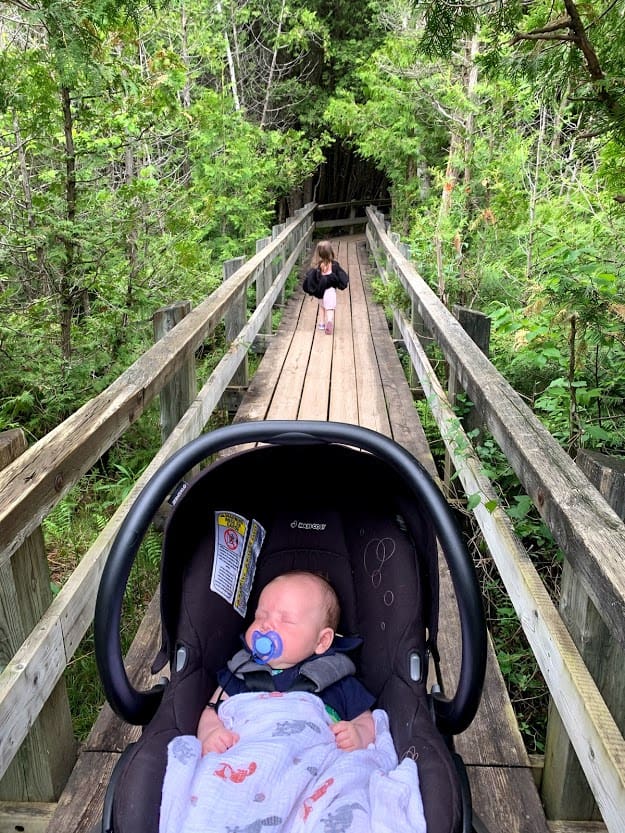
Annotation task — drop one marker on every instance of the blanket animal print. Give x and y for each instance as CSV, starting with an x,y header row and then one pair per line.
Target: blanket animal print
x,y
286,775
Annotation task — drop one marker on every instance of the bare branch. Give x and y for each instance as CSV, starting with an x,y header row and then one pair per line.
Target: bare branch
x,y
552,36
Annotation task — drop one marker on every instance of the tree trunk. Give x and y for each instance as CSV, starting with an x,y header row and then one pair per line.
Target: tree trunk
x,y
533,195
66,286
233,76
272,70
460,142
471,75
32,285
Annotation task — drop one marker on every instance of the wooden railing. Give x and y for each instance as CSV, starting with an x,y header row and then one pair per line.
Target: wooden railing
x,y
33,483
342,214
589,532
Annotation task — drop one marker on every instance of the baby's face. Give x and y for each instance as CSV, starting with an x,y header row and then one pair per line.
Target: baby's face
x,y
293,607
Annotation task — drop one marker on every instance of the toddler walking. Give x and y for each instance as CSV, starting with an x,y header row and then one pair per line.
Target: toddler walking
x,y
322,281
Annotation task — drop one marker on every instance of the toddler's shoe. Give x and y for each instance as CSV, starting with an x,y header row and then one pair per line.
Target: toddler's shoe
x,y
329,328
321,326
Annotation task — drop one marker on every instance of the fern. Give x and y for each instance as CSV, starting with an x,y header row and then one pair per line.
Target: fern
x,y
58,524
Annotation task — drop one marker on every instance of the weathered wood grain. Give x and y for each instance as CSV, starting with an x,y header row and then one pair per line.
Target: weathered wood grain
x,y
35,482
406,428
177,394
81,804
45,759
372,411
26,817
32,674
80,807
596,738
506,800
589,532
565,790
260,392
500,776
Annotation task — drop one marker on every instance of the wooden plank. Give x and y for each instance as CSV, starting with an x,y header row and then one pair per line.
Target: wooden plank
x,y
80,806
565,790
506,799
406,428
314,403
343,390
288,391
22,696
260,391
180,391
235,318
109,732
263,282
346,221
316,387
371,403
27,817
493,739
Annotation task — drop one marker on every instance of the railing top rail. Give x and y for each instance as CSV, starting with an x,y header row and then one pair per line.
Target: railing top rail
x,y
328,206
46,471
589,532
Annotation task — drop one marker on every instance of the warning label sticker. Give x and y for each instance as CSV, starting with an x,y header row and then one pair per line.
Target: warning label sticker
x,y
237,545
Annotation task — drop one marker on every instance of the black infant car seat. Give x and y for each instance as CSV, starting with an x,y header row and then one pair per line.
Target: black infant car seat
x,y
319,496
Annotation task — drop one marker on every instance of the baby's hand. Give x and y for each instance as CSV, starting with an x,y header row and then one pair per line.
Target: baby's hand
x,y
218,740
347,736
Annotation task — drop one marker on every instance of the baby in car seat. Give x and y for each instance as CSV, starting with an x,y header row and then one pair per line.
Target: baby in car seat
x,y
291,645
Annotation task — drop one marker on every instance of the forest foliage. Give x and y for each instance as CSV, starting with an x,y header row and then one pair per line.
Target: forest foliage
x,y
142,144
502,135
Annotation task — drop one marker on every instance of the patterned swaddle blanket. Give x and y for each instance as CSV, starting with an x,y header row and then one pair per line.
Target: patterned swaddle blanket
x,y
286,775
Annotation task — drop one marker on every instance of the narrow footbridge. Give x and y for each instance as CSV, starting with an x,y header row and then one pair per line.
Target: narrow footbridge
x,y
353,375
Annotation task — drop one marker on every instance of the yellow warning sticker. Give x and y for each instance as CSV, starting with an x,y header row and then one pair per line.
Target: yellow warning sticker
x,y
237,544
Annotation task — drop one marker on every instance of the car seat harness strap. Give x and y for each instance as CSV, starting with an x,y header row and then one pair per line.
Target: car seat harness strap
x,y
314,676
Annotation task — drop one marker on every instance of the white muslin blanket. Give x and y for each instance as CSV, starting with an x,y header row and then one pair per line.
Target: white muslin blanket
x,y
287,775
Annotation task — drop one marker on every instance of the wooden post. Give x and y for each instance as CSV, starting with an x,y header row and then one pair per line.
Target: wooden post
x,y
303,258
416,323
391,275
235,319
415,319
565,791
44,762
278,263
263,284
476,325
418,326
179,393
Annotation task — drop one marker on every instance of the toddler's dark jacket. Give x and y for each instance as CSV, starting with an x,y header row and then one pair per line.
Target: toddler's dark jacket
x,y
315,283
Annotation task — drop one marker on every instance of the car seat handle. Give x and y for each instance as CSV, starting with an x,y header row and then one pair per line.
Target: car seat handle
x,y
453,714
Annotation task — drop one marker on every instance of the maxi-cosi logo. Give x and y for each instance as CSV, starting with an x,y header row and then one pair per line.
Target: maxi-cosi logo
x,y
306,525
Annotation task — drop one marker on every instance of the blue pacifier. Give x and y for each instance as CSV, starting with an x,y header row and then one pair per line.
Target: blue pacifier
x,y
266,646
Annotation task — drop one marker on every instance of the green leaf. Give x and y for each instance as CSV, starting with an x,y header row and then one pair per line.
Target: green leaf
x,y
473,500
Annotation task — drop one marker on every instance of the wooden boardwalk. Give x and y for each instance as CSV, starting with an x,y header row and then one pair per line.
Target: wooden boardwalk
x,y
352,376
